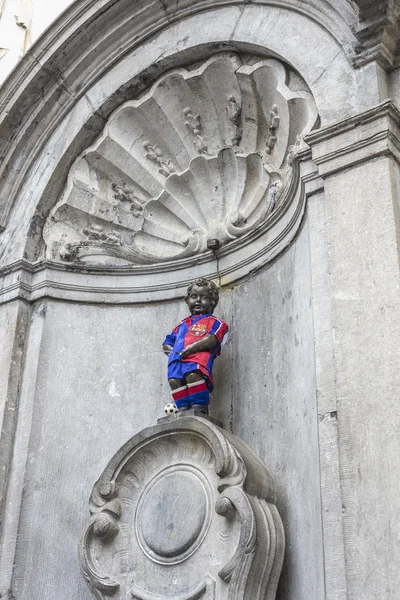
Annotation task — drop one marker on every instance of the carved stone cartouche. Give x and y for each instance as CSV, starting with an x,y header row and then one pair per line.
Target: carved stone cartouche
x,y
183,511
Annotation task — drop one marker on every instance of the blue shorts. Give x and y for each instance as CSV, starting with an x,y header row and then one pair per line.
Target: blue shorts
x,y
177,369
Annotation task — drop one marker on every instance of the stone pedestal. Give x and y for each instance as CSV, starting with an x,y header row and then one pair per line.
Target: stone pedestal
x,y
184,510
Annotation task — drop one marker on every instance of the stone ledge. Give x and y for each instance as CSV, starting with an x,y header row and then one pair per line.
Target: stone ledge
x,y
190,413
378,34
367,135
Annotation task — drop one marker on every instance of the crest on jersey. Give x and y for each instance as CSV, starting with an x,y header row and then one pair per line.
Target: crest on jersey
x,y
198,329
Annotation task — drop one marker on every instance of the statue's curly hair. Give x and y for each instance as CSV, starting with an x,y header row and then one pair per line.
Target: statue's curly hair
x,y
201,282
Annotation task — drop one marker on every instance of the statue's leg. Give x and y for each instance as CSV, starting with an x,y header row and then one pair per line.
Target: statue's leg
x,y
175,383
194,376
179,393
199,396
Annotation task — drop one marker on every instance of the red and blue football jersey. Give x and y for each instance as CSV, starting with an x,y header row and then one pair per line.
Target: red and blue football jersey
x,y
192,329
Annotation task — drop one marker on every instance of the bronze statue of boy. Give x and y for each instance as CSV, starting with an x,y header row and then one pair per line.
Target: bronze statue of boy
x,y
192,347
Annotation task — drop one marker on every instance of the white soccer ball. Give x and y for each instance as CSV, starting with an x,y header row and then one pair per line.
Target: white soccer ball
x,y
170,408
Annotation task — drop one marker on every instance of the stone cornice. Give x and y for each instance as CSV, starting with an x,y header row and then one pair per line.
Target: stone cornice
x,y
367,135
378,33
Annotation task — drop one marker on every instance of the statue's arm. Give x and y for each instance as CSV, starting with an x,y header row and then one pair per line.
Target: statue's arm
x,y
168,343
206,343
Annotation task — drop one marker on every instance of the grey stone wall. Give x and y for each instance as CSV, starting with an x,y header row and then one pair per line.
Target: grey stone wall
x,y
309,377
274,406
96,375
8,320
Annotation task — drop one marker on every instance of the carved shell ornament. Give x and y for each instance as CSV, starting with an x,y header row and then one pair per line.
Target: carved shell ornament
x,y
204,154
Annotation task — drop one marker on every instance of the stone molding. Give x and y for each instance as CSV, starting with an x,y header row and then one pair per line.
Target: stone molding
x,y
372,133
378,33
224,539
130,284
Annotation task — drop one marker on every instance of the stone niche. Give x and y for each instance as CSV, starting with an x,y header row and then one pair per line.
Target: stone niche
x,y
183,511
207,153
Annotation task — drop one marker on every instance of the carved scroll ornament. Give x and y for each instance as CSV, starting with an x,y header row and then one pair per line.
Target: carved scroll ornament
x,y
184,511
204,154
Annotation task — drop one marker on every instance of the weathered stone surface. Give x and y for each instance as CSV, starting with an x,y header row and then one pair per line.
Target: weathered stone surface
x,y
315,396
274,403
364,274
8,319
13,488
378,33
191,504
325,381
351,141
14,323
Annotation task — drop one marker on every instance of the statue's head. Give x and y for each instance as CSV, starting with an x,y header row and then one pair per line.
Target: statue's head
x,y
202,297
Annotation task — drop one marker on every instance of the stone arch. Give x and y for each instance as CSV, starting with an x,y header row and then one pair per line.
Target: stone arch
x,y
82,90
